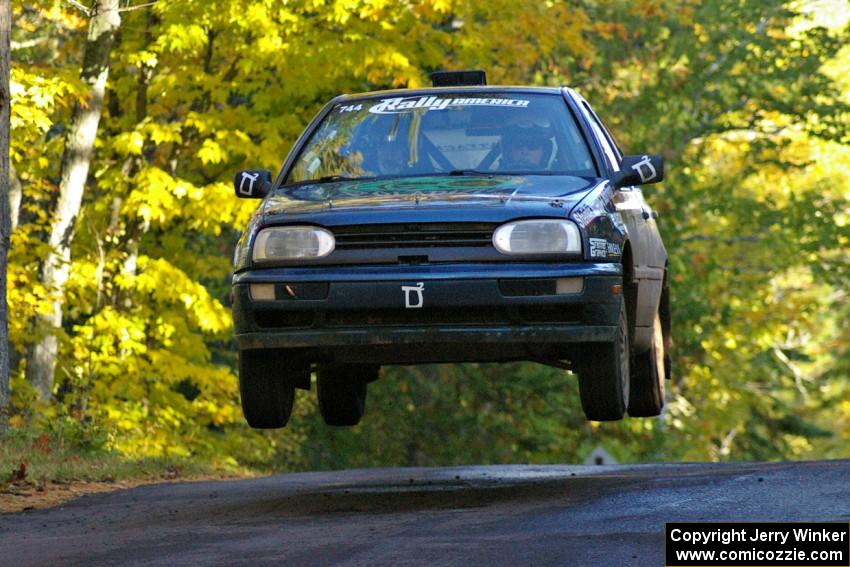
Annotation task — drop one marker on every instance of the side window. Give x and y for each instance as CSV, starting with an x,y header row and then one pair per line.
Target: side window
x,y
599,131
613,141
608,135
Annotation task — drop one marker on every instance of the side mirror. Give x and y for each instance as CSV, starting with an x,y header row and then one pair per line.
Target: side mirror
x,y
252,183
639,170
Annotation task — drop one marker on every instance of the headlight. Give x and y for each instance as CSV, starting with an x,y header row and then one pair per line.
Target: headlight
x,y
292,243
538,237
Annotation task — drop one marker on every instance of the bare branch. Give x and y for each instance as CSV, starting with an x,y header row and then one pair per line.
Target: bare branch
x,y
16,45
137,7
798,375
726,240
79,6
726,445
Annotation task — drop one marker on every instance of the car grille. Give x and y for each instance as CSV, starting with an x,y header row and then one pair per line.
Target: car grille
x,y
430,235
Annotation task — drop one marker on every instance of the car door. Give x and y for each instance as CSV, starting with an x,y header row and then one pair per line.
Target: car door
x,y
648,254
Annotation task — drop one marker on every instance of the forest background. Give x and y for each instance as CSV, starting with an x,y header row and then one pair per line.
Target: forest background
x,y
748,100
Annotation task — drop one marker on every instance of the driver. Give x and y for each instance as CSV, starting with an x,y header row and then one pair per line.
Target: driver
x,y
383,155
525,146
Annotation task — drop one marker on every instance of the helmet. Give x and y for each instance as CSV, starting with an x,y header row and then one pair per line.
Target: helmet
x,y
526,135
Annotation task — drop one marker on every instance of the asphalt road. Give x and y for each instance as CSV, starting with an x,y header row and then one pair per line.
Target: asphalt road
x,y
512,515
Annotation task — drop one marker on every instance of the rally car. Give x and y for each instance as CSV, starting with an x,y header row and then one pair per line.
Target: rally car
x,y
458,223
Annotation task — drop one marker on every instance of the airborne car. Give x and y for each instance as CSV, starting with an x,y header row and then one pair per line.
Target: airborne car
x,y
457,223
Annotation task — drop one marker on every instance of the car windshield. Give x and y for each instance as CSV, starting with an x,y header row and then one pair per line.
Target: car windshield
x,y
451,133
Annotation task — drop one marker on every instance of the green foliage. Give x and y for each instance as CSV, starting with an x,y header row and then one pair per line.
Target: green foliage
x,y
747,100
471,414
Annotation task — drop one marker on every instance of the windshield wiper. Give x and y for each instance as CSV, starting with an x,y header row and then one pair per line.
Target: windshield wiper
x,y
325,179
330,178
469,172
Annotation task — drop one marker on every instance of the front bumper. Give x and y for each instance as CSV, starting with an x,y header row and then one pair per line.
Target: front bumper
x,y
426,313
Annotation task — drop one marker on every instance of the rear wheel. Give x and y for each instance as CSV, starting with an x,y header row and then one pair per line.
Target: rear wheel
x,y
646,392
267,387
341,391
604,375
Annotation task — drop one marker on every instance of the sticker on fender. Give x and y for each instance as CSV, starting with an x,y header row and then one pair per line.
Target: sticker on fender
x,y
601,248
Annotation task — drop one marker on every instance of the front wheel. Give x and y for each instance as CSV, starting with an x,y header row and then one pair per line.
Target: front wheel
x,y
341,390
603,375
267,387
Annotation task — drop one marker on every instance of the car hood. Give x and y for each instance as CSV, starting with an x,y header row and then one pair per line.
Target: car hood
x,y
428,192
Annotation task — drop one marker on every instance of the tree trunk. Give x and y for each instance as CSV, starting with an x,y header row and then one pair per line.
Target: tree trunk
x,y
79,145
5,224
135,229
16,193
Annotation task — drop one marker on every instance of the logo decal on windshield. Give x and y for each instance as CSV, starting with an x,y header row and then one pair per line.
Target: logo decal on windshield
x,y
400,104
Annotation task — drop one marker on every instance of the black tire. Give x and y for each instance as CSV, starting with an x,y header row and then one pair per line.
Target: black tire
x,y
666,329
603,375
267,387
646,391
341,390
